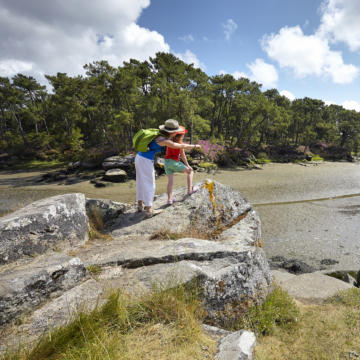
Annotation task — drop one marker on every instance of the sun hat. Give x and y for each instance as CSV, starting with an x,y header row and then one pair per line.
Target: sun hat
x,y
172,126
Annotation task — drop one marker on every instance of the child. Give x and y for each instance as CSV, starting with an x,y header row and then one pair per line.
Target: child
x,y
173,164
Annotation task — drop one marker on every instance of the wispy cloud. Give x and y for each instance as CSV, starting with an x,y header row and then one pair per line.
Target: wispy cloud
x,y
187,38
229,28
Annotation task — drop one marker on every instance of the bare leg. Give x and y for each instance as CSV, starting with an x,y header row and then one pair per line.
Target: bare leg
x,y
190,180
170,186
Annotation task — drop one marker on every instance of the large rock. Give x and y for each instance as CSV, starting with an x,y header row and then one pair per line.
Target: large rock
x,y
219,246
50,223
25,287
208,212
115,175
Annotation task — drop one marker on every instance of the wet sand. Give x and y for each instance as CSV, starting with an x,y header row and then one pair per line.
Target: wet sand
x,y
310,213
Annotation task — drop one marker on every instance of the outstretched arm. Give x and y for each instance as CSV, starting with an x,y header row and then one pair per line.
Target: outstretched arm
x,y
174,145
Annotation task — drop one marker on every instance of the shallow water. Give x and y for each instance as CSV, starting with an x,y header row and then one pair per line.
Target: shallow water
x,y
310,213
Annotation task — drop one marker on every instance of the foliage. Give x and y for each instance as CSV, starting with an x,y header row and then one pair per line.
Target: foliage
x,y
107,106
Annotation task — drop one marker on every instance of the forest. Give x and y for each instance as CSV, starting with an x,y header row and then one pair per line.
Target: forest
x,y
98,113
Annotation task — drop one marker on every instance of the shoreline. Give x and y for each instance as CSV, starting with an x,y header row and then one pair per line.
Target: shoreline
x,y
307,212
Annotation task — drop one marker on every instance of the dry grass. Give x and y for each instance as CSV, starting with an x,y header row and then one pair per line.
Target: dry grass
x,y
97,227
165,324
325,332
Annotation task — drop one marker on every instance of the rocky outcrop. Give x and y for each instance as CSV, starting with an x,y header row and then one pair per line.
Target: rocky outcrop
x,y
25,287
218,244
212,237
46,224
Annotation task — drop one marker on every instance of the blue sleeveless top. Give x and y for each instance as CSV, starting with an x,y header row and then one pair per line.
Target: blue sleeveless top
x,y
154,148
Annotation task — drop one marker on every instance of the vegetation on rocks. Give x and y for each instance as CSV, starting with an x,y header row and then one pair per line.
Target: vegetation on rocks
x,y
165,324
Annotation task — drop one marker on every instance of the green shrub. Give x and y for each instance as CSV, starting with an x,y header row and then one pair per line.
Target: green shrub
x,y
279,309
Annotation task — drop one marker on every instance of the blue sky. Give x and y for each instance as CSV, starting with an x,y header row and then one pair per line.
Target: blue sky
x,y
199,27
302,48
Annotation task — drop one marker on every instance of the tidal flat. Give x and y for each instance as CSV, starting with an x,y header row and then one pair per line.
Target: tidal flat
x,y
310,213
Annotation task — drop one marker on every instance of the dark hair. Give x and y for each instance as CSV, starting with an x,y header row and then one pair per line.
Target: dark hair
x,y
177,138
164,133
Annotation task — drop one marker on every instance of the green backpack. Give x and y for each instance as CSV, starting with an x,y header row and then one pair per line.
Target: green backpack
x,y
143,138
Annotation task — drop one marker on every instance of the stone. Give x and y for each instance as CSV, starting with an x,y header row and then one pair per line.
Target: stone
x,y
328,262
99,184
108,210
350,280
115,175
215,331
56,222
239,345
119,162
27,286
313,287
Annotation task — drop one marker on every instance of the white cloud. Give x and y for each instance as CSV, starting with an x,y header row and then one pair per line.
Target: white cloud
x,y
329,102
340,22
287,94
263,73
308,55
239,74
351,105
38,37
190,58
229,28
187,38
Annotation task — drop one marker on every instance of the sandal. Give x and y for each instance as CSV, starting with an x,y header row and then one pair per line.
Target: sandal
x,y
140,208
150,214
170,202
194,190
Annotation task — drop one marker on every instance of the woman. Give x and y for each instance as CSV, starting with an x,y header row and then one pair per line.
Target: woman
x,y
144,164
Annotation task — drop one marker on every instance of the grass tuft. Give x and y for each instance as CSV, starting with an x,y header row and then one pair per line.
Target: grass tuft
x,y
165,324
97,226
278,310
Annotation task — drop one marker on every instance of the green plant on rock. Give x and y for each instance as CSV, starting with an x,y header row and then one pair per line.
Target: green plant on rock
x,y
278,310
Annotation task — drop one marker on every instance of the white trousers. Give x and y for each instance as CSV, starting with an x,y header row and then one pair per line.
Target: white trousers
x,y
145,180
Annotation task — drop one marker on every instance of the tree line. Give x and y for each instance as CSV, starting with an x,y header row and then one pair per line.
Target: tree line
x,y
104,108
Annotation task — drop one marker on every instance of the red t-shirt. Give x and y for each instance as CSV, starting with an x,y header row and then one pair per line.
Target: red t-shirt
x,y
173,154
